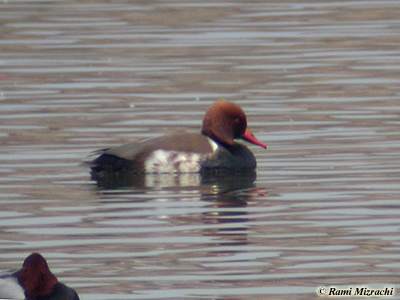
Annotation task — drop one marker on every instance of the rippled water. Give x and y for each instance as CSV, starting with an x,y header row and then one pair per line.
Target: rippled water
x,y
319,83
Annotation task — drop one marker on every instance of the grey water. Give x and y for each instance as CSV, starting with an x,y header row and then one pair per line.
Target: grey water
x,y
319,84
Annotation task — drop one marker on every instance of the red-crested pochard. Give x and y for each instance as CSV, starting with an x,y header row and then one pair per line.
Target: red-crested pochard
x,y
214,149
35,282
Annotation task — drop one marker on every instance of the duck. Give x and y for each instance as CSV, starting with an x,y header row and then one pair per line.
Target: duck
x,y
214,149
35,281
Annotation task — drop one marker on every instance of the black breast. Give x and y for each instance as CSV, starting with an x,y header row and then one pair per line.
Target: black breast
x,y
230,158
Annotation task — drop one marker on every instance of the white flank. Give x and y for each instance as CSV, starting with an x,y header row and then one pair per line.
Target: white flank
x,y
161,161
10,289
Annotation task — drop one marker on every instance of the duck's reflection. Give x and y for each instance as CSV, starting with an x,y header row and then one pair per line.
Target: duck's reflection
x,y
228,213
226,195
220,181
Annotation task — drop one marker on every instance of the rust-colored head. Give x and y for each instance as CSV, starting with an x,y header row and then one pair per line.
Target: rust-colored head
x,y
225,121
36,278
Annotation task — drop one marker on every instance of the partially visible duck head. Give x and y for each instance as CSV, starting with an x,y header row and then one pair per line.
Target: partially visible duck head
x,y
225,121
36,278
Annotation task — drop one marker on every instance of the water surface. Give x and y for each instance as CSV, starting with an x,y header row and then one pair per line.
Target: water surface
x,y
319,83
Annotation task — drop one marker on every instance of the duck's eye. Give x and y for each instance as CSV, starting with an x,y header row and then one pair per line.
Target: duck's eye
x,y
237,121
